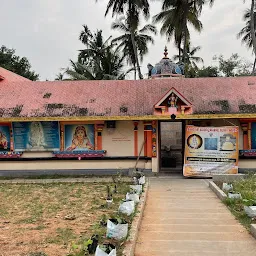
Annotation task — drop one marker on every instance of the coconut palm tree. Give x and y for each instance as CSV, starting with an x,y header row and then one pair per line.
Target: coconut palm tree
x,y
132,9
141,37
175,17
110,66
95,45
245,33
190,58
59,77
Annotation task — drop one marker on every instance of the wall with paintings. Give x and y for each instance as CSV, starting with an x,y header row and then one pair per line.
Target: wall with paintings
x,y
36,136
5,138
79,137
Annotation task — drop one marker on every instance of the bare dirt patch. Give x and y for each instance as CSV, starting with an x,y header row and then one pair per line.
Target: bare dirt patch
x,y
48,217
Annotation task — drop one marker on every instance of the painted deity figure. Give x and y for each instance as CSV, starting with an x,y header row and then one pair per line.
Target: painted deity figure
x,y
3,141
36,135
80,140
172,101
228,145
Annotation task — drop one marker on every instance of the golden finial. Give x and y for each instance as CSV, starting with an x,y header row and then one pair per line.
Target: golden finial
x,y
166,53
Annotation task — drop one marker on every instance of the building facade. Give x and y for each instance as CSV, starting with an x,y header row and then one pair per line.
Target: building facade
x,y
108,126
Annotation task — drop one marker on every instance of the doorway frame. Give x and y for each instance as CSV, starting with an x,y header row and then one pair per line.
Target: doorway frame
x,y
183,130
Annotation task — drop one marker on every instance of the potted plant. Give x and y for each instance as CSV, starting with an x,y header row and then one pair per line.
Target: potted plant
x,y
227,187
109,198
234,195
117,228
106,249
250,207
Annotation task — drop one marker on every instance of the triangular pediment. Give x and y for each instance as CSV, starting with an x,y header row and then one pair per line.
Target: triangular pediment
x,y
173,102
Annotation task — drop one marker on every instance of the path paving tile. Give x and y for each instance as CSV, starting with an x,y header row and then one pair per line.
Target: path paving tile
x,y
183,217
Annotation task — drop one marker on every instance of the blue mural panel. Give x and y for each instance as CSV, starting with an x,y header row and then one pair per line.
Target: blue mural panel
x,y
79,137
36,136
253,135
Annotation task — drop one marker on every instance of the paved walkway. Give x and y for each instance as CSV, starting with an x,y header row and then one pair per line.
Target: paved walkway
x,y
183,217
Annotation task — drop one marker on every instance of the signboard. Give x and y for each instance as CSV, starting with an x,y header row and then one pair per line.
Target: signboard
x,y
211,150
79,137
5,138
36,136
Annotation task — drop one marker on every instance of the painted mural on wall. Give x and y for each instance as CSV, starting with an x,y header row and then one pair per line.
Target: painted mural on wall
x,y
5,138
211,150
253,135
36,136
79,137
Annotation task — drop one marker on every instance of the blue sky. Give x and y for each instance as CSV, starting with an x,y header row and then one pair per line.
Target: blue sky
x,y
46,31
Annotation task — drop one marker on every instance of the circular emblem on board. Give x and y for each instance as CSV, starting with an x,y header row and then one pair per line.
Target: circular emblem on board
x,y
194,141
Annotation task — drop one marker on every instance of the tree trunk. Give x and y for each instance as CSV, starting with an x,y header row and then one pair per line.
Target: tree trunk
x,y
179,50
254,65
135,72
253,31
185,7
136,53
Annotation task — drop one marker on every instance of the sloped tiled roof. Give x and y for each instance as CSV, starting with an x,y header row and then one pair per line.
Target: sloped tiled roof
x,y
124,98
7,76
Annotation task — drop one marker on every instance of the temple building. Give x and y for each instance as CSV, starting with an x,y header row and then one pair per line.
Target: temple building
x,y
194,126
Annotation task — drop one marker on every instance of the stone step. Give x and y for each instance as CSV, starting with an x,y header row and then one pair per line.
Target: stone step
x,y
191,228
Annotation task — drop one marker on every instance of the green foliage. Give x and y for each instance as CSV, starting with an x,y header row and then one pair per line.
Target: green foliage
x,y
209,71
16,64
101,60
247,189
228,66
141,37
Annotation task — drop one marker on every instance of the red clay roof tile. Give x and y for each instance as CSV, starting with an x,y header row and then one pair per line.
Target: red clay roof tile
x,y
95,98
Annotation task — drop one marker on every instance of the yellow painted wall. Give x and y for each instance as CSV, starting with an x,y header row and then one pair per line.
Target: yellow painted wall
x,y
73,165
120,141
247,163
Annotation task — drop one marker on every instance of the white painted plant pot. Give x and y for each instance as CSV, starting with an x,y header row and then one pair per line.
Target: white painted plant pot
x,y
142,180
250,211
227,187
109,202
136,189
234,195
99,252
134,197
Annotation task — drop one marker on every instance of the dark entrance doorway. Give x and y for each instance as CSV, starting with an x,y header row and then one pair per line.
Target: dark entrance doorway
x,y
171,142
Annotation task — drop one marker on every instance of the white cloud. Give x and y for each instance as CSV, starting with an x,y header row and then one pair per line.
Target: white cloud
x,y
46,31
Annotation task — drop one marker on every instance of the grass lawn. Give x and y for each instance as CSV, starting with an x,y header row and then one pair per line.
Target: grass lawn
x,y
247,188
32,216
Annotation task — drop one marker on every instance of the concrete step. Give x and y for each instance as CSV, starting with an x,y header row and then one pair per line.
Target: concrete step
x,y
203,253
199,221
193,215
185,196
191,210
191,228
156,206
195,236
243,248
